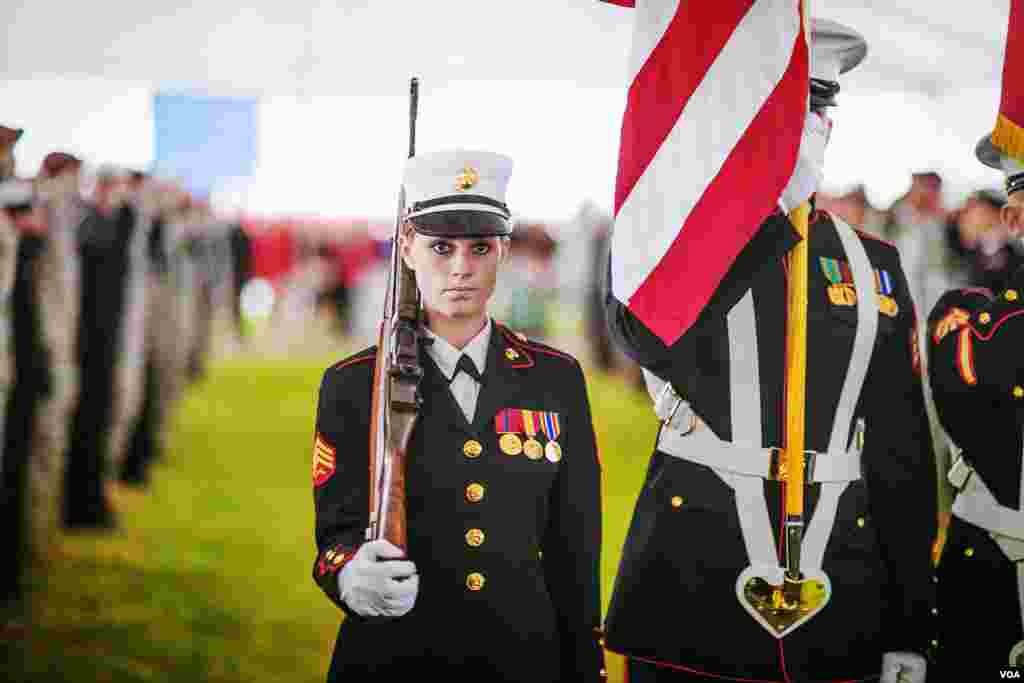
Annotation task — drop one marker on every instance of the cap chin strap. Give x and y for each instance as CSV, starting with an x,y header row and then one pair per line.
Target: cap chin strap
x,y
823,93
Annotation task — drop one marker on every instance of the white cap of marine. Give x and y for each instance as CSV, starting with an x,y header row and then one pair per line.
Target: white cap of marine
x,y
835,49
458,193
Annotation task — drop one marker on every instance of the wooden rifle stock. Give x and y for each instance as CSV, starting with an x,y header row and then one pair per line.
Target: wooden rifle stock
x,y
396,377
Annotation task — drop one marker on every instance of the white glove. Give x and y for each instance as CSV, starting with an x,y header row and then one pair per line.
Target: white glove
x,y
810,163
903,667
376,582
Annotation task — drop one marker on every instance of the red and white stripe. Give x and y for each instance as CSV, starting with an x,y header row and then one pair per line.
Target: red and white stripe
x,y
716,107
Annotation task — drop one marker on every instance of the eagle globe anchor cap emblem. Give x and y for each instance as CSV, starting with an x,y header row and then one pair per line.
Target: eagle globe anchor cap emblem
x,y
466,179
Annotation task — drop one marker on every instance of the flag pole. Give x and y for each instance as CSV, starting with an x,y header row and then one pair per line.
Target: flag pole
x,y
796,393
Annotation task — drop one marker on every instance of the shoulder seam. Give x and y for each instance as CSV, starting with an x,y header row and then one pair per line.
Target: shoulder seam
x,y
352,361
983,291
534,346
871,236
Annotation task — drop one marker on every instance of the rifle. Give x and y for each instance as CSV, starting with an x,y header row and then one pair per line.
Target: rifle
x,y
396,377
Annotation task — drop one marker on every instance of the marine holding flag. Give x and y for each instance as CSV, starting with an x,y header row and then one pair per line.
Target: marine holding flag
x,y
784,529
500,581
977,378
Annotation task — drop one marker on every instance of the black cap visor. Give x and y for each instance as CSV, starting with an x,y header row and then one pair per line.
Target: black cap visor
x,y
462,223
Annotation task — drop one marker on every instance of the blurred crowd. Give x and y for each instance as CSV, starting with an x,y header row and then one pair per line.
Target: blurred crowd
x,y
108,284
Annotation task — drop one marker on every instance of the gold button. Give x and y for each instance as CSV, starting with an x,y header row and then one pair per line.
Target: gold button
x,y
511,353
338,559
677,501
861,522
1011,295
475,537
475,581
475,493
969,552
472,448
984,318
1018,391
935,643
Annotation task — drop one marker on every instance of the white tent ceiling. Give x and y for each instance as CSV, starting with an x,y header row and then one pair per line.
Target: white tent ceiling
x,y
323,47
937,63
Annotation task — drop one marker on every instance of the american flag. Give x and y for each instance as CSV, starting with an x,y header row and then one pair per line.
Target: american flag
x,y
1008,136
715,111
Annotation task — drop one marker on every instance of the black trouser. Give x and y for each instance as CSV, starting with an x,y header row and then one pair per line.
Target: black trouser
x,y
85,502
22,405
142,444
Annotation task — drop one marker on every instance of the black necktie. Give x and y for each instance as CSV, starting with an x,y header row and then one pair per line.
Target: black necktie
x,y
467,366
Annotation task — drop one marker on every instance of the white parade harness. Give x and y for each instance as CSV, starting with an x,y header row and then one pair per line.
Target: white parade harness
x,y
744,463
975,504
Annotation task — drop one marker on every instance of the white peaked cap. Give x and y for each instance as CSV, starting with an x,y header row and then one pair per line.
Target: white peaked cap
x,y
835,49
458,192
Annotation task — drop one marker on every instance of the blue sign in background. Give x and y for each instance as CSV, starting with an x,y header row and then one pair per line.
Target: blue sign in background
x,y
204,140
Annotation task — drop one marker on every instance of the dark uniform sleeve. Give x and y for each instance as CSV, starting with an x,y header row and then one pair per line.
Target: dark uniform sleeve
x,y
976,341
900,473
572,543
33,364
775,237
341,470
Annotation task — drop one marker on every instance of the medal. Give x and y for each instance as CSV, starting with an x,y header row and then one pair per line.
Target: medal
x,y
553,452
508,423
552,427
510,444
532,447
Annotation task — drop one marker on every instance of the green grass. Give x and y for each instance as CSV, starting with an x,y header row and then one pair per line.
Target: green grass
x,y
208,578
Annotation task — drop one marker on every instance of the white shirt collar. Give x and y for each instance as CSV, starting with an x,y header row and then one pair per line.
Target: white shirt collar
x,y
447,356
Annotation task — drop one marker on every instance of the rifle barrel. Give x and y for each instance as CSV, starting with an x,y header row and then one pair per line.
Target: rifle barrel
x,y
414,104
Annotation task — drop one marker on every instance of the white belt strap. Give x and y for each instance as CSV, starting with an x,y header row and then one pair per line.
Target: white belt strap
x,y
703,447
975,504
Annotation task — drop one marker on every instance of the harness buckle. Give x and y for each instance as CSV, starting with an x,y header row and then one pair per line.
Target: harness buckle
x,y
959,472
668,408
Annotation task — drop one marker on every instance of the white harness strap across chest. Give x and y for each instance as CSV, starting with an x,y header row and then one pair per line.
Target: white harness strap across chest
x,y
743,463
